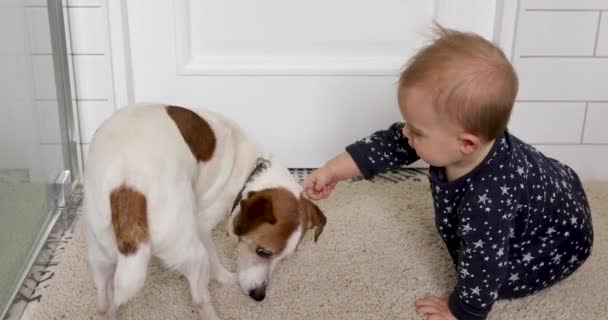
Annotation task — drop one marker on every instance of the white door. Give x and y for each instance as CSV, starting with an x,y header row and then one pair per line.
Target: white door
x,y
303,78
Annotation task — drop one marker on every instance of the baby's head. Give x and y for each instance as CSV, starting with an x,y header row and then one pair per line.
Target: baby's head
x,y
456,96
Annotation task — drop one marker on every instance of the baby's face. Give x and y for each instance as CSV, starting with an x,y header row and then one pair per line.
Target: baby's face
x,y
435,138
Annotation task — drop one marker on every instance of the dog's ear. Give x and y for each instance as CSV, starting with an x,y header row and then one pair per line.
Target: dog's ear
x,y
255,210
313,216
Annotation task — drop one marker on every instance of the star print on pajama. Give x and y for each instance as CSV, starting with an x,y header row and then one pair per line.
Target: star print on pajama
x,y
517,223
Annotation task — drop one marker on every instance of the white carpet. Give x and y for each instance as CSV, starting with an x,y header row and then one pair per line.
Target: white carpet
x,y
378,254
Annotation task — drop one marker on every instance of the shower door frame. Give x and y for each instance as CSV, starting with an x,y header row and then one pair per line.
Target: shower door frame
x,y
67,180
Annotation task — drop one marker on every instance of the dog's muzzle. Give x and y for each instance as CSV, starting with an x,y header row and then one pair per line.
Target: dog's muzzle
x,y
258,293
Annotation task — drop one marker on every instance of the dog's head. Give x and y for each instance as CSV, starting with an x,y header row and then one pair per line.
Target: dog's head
x,y
270,225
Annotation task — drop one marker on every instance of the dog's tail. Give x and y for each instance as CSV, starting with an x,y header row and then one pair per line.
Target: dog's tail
x,y
130,274
129,221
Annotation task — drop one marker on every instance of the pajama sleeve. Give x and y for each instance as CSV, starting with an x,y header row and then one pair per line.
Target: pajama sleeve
x,y
382,151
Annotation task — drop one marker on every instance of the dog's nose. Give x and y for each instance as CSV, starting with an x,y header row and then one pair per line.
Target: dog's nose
x,y
258,294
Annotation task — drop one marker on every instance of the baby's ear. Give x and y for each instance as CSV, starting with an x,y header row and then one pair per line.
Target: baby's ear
x,y
469,143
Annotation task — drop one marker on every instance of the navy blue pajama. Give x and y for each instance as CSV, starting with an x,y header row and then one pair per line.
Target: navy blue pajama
x,y
517,223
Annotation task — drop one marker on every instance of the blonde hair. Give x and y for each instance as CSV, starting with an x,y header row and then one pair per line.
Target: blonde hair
x,y
475,84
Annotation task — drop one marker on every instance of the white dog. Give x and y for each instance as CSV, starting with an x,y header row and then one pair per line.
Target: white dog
x,y
159,178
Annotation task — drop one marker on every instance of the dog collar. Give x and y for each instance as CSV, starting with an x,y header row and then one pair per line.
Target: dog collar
x,y
261,165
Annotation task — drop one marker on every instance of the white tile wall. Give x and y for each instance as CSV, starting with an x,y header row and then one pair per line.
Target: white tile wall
x,y
92,114
89,62
602,41
556,122
88,30
66,3
565,4
92,68
92,76
14,153
44,77
40,40
15,83
561,56
48,113
595,127
13,42
563,33
589,161
563,79
51,160
85,3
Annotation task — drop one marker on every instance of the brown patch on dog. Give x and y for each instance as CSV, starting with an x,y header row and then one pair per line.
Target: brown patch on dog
x,y
313,216
129,218
195,130
268,217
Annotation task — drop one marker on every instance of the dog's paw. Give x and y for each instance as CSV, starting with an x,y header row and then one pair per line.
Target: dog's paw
x,y
207,312
109,315
224,276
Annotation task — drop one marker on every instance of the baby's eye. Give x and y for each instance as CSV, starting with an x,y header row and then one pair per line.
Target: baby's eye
x,y
408,130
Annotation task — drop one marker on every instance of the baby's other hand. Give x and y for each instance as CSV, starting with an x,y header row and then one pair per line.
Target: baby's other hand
x,y
319,184
434,308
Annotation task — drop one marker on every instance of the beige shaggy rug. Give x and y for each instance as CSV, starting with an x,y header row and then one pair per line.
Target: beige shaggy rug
x,y
378,254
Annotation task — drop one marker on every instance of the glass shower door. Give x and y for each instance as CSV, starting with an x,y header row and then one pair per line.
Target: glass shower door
x,y
37,147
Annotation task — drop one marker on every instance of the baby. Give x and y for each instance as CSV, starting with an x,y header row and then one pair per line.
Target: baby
x,y
514,221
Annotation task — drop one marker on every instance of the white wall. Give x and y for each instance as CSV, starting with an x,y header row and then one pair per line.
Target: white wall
x,y
28,109
561,55
86,24
16,85
560,51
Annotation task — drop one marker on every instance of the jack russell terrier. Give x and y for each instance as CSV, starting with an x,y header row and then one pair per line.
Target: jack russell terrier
x,y
159,178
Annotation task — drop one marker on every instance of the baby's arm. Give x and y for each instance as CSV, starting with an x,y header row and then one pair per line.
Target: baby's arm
x,y
483,258
382,151
379,152
342,167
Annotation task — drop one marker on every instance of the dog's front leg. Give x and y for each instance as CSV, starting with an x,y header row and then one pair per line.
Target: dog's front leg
x,y
195,266
208,219
219,273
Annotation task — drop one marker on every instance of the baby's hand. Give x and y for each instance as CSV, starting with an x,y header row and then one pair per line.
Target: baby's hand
x,y
319,184
434,308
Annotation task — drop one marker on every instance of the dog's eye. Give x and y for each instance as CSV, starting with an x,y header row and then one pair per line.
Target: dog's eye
x,y
263,253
